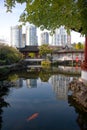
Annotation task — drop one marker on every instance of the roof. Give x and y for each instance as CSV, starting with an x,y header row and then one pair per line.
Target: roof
x,y
29,49
69,51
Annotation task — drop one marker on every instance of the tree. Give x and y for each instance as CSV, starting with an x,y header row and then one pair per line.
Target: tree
x,y
53,13
80,46
9,55
44,50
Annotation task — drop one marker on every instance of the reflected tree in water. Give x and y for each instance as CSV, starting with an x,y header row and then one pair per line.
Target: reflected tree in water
x,y
44,76
3,103
4,91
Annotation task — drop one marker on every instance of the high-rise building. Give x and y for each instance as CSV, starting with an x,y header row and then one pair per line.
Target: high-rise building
x,y
24,39
31,35
44,38
68,39
61,37
16,36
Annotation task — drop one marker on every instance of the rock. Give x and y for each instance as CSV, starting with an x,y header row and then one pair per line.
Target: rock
x,y
79,92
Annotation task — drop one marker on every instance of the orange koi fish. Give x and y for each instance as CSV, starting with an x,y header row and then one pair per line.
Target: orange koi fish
x,y
33,116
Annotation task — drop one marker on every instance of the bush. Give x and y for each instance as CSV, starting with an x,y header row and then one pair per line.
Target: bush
x,y
46,63
4,71
9,55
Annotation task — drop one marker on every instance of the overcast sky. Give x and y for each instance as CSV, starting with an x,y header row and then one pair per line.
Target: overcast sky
x,y
11,19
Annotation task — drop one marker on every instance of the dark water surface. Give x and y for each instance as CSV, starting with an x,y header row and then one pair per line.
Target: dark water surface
x,y
33,104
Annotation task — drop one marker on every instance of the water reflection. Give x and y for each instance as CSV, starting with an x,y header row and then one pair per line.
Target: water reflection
x,y
4,90
81,115
60,85
19,83
70,69
31,83
40,101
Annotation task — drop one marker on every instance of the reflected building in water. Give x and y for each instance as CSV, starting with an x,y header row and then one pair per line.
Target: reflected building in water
x,y
19,83
60,86
31,83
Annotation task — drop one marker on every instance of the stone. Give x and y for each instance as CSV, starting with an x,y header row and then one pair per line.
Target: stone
x,y
79,92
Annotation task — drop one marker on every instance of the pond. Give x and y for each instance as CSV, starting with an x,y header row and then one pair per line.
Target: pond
x,y
33,103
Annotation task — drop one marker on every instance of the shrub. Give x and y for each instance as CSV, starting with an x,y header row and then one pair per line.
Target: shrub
x,y
9,55
4,71
46,63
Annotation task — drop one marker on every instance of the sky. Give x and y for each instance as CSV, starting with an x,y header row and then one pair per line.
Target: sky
x,y
11,19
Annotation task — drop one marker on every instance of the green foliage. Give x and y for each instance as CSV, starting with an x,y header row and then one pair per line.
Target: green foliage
x,y
32,55
78,46
44,50
51,14
46,63
4,70
9,55
12,77
44,76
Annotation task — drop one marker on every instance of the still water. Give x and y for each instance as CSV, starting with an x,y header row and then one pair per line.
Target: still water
x,y
37,104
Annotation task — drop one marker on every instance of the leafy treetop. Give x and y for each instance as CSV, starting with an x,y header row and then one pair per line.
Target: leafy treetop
x,y
45,49
51,14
